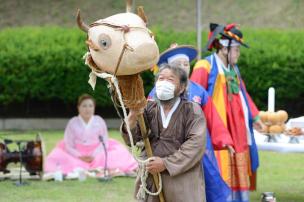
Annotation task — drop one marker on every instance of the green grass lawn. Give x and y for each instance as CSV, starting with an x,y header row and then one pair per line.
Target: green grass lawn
x,y
280,173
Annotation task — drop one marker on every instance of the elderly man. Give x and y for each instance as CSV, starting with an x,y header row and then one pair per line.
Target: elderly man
x,y
177,135
217,135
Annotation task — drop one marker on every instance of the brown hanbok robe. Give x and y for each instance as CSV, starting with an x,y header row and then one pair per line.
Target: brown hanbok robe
x,y
181,146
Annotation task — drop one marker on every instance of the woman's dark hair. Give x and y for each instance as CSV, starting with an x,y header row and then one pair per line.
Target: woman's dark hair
x,y
182,74
83,97
217,45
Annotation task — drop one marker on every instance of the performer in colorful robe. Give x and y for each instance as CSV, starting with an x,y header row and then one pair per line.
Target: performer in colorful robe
x,y
82,146
180,56
220,76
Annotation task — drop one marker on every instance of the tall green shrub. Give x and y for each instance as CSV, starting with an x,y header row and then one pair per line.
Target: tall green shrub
x,y
46,63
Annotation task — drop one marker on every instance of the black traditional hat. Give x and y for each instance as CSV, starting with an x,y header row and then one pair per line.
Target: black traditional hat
x,y
225,32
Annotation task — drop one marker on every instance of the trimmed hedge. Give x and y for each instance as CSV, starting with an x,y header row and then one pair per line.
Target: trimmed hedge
x,y
46,64
275,59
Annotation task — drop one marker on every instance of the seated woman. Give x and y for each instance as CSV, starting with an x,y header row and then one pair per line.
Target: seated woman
x,y
82,146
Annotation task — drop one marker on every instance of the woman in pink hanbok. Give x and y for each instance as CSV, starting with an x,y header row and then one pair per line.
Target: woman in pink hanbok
x,y
82,146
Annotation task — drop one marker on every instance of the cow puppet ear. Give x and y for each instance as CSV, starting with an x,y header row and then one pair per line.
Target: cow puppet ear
x,y
141,14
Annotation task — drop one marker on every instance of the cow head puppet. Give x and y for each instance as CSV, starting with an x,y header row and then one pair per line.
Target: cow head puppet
x,y
121,45
122,35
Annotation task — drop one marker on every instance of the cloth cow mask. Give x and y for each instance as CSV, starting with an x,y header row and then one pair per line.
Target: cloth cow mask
x,y
120,44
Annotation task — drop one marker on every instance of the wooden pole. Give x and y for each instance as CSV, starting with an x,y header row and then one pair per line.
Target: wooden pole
x,y
130,5
199,28
130,8
149,152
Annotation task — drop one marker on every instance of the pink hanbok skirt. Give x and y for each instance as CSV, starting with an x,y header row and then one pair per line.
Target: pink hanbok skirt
x,y
119,158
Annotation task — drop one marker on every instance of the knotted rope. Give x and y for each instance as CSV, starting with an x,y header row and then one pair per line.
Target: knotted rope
x,y
132,92
143,173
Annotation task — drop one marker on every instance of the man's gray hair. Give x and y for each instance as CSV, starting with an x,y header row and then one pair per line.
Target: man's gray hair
x,y
179,72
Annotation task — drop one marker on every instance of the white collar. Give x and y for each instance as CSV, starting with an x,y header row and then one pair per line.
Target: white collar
x,y
166,120
86,125
220,63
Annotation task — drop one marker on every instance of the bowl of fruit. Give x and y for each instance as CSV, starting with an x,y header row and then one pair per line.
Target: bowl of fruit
x,y
274,121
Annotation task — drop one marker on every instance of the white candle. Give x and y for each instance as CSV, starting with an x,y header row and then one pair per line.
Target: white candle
x,y
271,99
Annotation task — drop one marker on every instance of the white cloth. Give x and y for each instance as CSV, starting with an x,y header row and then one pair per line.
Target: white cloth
x,y
225,42
282,144
166,119
177,56
296,122
92,79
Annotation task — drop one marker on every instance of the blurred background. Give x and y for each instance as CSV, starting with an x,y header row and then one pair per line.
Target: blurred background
x,y
42,71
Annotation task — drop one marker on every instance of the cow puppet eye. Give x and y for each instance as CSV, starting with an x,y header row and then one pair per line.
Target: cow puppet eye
x,y
104,41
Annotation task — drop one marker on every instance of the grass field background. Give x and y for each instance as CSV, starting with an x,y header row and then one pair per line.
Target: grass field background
x,y
278,172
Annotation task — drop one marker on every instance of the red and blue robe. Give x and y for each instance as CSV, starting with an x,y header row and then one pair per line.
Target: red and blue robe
x,y
216,188
238,112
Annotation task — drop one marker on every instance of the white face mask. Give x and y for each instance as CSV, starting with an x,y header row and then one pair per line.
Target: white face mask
x,y
164,90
